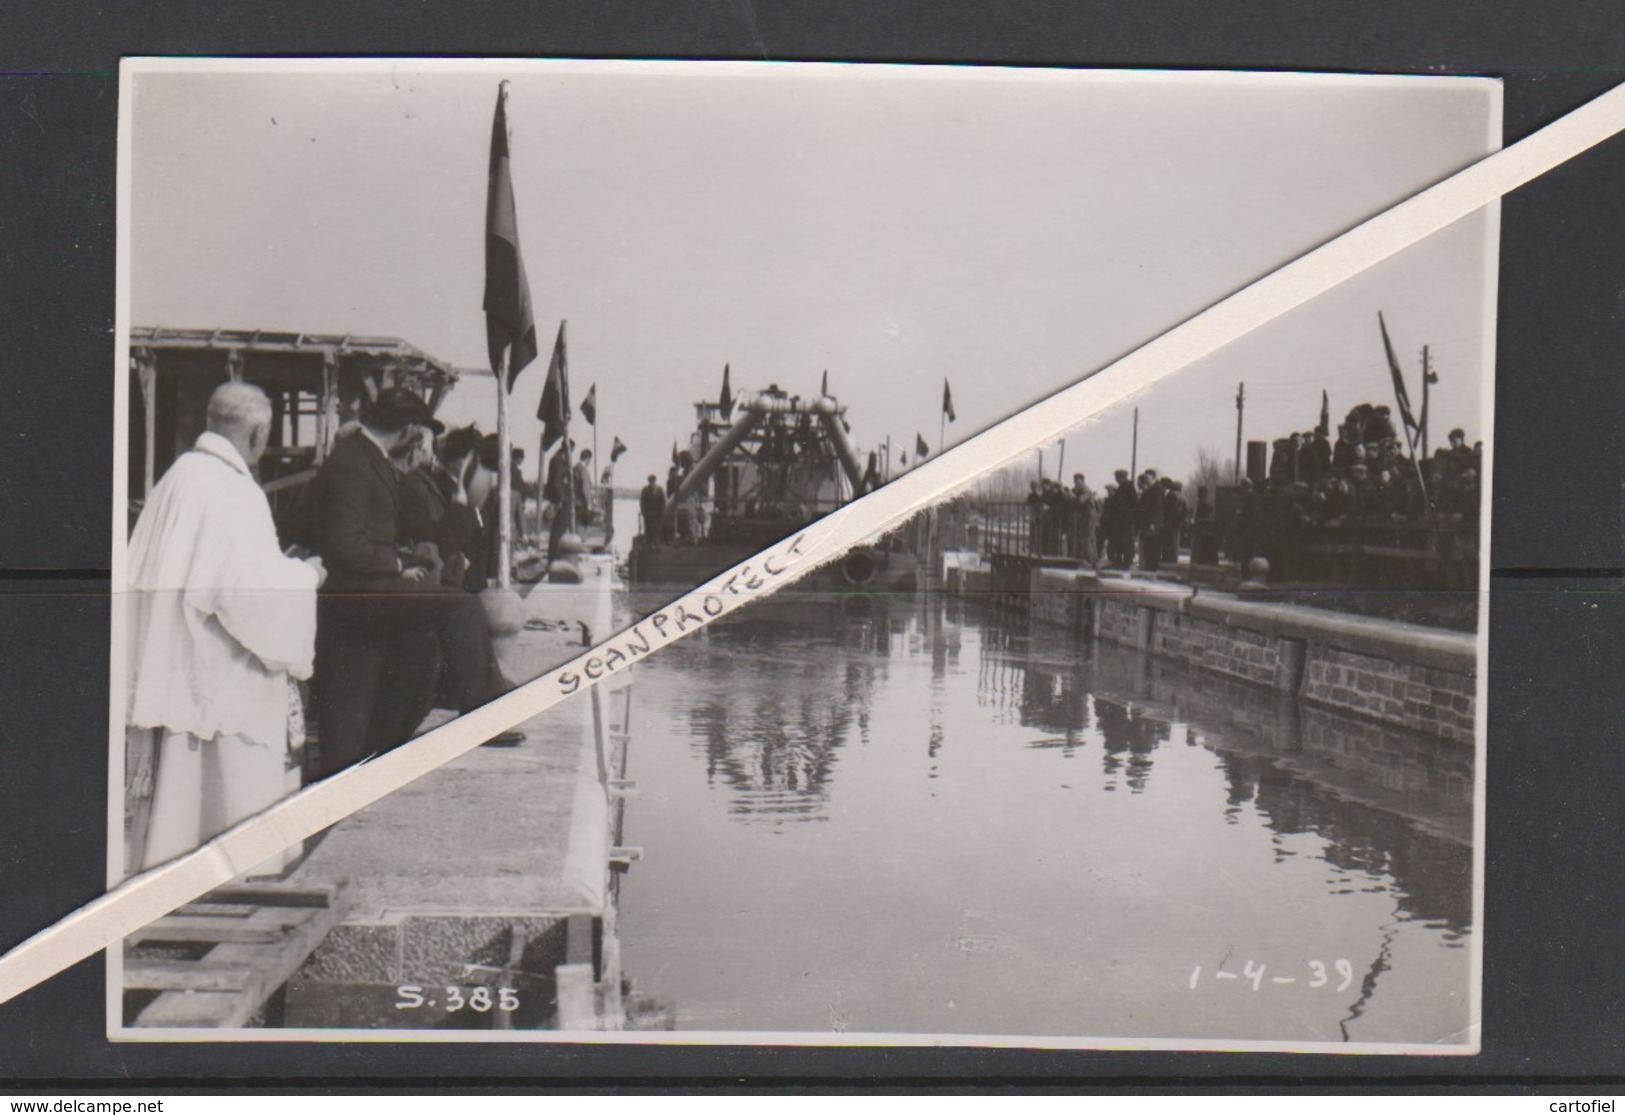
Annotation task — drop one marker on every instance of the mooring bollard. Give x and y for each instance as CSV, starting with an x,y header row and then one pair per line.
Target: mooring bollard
x,y
1258,575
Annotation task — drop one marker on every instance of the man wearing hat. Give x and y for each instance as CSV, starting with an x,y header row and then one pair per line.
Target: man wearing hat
x,y
384,627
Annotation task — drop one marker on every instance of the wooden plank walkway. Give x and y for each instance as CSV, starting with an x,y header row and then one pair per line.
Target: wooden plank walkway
x,y
253,936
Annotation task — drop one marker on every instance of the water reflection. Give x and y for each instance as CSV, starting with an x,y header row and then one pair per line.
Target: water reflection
x,y
1388,805
924,770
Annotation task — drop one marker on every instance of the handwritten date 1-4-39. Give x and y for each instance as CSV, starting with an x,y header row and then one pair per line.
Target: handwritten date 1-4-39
x,y
1253,973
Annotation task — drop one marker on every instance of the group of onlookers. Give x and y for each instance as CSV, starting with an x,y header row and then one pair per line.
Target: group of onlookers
x,y
1135,522
1317,491
1313,489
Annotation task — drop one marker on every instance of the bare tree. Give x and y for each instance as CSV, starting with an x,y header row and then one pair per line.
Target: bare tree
x,y
1212,471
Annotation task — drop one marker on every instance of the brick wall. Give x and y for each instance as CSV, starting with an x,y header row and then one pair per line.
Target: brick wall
x,y
1411,695
1120,621
1394,678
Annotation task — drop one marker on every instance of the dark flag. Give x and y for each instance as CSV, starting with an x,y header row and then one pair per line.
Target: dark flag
x,y
921,449
1400,395
509,326
1325,427
871,475
589,406
616,450
554,410
948,401
674,458
725,401
823,388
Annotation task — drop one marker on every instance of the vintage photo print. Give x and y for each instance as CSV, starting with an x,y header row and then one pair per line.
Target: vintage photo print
x,y
1168,735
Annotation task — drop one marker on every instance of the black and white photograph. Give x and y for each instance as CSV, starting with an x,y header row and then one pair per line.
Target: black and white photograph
x,y
434,374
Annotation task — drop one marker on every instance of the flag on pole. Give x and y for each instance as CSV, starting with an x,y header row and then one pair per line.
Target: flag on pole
x,y
725,402
509,326
674,458
616,450
948,401
1401,397
1325,427
823,387
921,450
554,410
589,406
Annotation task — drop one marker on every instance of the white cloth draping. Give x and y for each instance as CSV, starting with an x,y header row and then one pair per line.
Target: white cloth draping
x,y
204,786
220,618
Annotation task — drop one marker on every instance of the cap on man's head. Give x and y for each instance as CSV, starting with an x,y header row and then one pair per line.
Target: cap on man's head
x,y
488,451
396,408
460,443
1121,474
1458,432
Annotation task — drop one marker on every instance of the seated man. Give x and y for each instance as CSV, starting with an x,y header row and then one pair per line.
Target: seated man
x,y
384,628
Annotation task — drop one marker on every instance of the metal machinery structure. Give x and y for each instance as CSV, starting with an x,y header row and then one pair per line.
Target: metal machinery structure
x,y
316,383
754,473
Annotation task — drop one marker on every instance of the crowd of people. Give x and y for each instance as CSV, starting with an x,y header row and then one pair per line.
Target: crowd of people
x,y
375,604
1134,522
1314,489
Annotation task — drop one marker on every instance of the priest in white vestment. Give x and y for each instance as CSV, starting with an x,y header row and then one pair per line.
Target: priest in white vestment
x,y
221,621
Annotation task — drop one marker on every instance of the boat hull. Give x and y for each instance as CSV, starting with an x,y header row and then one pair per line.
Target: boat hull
x,y
864,569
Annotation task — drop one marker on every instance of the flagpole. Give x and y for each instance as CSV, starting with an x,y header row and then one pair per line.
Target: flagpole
x,y
504,479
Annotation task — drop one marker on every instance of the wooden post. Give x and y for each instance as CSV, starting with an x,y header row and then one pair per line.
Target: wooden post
x,y
504,481
327,412
234,364
1134,450
146,367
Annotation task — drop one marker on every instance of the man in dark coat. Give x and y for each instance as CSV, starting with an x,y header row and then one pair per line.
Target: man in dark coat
x,y
1174,514
1035,517
652,502
1148,520
383,627
1118,519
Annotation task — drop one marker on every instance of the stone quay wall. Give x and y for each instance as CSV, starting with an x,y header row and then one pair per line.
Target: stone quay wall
x,y
1419,679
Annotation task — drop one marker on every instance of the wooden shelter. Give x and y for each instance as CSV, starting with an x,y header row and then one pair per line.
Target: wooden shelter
x,y
316,382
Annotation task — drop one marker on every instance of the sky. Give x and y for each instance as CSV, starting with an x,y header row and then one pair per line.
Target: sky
x,y
1009,231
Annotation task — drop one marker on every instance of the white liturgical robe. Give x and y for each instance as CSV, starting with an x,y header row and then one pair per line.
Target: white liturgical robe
x,y
220,620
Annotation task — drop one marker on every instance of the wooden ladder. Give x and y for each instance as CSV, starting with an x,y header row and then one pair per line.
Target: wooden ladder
x,y
249,939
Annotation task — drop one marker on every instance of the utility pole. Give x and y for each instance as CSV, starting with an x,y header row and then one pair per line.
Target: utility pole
x,y
1134,450
1241,403
1060,467
1427,378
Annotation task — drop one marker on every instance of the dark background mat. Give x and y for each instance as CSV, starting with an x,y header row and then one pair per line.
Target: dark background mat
x,y
1553,984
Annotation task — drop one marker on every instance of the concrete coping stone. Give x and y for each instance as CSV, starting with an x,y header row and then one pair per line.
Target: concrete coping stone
x,y
1453,651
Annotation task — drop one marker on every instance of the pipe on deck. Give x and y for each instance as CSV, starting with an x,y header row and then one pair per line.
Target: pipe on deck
x,y
708,464
843,448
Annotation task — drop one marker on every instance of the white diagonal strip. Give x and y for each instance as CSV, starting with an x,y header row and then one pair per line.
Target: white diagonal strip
x,y
155,893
